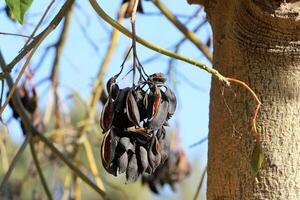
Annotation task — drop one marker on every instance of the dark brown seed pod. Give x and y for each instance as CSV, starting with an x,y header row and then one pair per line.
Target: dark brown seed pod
x,y
157,78
160,118
154,155
156,102
107,115
132,109
120,102
114,91
164,146
123,162
110,83
132,173
171,98
142,157
126,144
105,149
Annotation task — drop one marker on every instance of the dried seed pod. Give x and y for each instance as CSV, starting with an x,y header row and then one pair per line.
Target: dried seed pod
x,y
156,102
160,118
132,173
132,109
157,78
110,83
123,162
154,155
113,146
105,149
120,102
126,144
107,115
171,98
114,91
164,146
142,158
140,95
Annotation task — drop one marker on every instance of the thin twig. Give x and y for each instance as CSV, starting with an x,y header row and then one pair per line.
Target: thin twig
x,y
201,183
156,48
39,23
255,113
67,186
39,170
15,34
54,72
77,191
92,162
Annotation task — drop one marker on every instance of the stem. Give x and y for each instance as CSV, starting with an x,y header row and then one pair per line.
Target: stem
x,y
54,73
133,19
38,168
201,183
40,22
258,104
15,34
92,162
156,48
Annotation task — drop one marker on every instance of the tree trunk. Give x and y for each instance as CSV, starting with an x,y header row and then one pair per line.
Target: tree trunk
x,y
257,41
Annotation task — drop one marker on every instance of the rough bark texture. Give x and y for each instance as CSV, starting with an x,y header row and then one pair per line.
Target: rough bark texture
x,y
257,41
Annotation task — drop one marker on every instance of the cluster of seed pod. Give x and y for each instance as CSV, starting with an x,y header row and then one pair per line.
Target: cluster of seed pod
x,y
174,170
133,120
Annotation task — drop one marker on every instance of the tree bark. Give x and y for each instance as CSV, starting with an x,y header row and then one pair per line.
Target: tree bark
x,y
257,41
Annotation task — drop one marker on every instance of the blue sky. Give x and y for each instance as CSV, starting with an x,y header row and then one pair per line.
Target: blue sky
x,y
81,60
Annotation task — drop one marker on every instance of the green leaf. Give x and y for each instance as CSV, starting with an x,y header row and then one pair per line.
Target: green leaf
x,y
18,8
257,158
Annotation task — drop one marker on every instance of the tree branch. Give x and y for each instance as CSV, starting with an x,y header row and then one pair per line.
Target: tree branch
x,y
156,48
38,168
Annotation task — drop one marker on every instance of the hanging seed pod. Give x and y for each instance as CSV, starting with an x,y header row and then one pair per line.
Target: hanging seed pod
x,y
161,116
157,78
107,115
171,98
140,95
154,155
156,102
123,162
164,145
126,144
120,102
142,158
132,109
132,173
107,155
133,120
110,82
